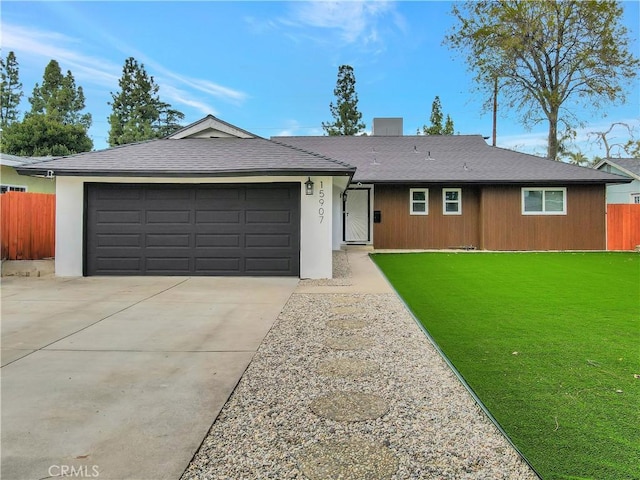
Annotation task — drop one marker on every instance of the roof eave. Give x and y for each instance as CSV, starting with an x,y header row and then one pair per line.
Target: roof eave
x,y
185,174
497,182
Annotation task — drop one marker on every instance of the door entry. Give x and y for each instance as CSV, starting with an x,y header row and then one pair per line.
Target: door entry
x,y
357,222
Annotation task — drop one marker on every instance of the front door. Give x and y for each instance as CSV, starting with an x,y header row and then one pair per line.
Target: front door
x,y
357,225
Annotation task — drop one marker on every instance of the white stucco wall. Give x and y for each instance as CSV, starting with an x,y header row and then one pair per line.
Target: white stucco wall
x,y
316,212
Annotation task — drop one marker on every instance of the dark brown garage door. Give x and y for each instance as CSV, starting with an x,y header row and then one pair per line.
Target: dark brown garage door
x,y
149,229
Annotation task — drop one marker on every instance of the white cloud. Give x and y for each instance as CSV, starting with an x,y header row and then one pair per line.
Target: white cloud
x,y
31,42
352,22
179,96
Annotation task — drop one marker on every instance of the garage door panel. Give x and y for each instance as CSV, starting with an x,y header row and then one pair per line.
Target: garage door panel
x,y
167,265
119,240
264,194
218,216
268,217
221,193
168,195
168,217
119,217
117,195
182,229
217,240
168,240
119,265
262,265
218,265
259,240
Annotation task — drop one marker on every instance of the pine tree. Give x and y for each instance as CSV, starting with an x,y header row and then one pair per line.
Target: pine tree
x,y
10,90
436,118
59,99
55,125
137,112
347,118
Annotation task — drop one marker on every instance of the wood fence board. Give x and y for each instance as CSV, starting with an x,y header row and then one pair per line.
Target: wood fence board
x,y
623,226
27,225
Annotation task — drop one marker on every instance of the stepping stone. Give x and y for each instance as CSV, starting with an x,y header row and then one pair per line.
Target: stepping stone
x,y
343,310
348,367
346,324
350,406
351,342
350,460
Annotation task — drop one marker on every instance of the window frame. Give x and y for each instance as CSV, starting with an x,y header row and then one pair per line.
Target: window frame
x,y
635,198
457,202
544,190
425,201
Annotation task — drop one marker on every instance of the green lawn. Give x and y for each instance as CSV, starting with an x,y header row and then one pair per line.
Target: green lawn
x,y
550,342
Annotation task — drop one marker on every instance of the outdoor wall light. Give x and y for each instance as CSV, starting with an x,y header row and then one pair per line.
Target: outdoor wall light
x,y
309,186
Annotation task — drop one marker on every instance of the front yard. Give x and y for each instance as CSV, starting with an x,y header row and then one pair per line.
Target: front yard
x,y
550,342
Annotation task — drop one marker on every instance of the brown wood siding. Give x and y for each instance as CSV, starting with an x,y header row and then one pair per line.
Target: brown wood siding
x,y
491,220
503,227
399,229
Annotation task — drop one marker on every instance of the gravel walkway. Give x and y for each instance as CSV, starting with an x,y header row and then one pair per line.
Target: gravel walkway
x,y
347,386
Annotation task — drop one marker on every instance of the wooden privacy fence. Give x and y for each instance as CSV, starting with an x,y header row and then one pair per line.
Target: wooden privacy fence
x,y
27,225
623,226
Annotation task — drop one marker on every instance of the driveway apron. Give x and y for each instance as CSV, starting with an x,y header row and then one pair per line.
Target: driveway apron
x,y
122,377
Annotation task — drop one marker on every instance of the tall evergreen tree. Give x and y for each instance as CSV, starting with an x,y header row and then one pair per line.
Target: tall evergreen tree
x,y
436,118
137,112
346,117
59,99
55,125
10,90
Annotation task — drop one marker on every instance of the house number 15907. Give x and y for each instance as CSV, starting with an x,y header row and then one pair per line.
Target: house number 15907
x,y
321,202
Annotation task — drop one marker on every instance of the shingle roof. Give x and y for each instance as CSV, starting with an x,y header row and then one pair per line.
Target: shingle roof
x,y
443,159
191,157
16,161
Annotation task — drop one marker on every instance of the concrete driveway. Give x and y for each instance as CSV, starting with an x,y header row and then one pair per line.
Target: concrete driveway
x,y
121,378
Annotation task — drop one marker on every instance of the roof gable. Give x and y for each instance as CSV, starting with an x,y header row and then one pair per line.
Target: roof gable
x,y
627,166
211,127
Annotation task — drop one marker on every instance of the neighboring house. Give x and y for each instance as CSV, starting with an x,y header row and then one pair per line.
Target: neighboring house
x,y
628,167
11,181
213,199
455,191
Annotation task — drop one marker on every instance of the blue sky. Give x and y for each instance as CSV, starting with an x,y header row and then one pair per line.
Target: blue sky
x,y
270,67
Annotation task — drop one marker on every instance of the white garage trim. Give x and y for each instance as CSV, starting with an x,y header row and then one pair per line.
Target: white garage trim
x,y
316,212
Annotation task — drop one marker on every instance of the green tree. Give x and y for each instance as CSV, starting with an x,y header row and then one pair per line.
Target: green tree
x,y
137,112
10,90
168,120
436,119
346,117
40,135
59,99
55,125
550,56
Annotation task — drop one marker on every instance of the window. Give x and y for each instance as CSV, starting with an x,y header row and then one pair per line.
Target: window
x,y
419,204
635,198
452,201
544,201
12,188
